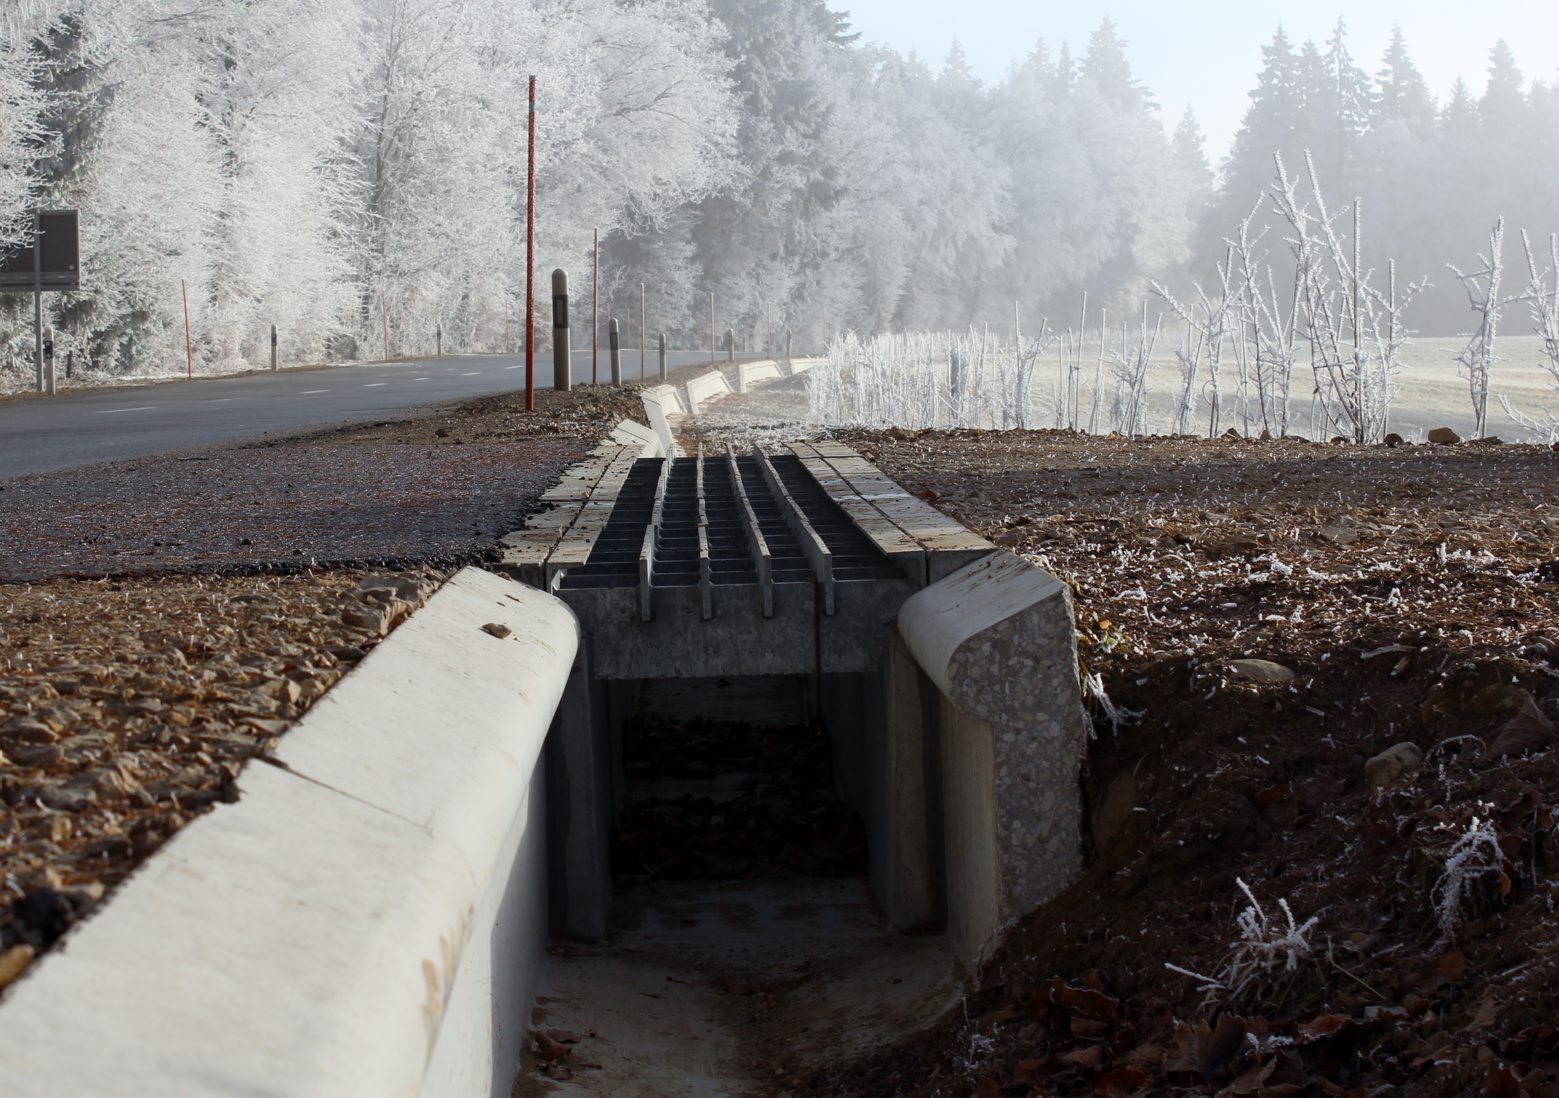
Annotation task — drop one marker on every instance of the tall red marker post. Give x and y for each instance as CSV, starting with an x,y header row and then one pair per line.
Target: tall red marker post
x,y
530,258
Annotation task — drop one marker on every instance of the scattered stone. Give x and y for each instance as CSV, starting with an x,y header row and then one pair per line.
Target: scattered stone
x,y
373,619
36,754
1338,535
406,588
1528,730
1444,436
1264,671
28,730
283,690
1397,761
1394,439
495,629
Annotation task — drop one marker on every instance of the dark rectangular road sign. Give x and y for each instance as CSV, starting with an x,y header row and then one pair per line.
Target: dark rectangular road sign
x,y
61,254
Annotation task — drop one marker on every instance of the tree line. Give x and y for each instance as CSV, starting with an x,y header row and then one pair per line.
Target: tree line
x,y
353,171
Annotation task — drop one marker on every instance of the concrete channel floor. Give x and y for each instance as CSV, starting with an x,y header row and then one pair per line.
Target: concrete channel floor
x,y
729,988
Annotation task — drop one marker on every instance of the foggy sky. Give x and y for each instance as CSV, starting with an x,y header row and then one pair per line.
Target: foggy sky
x,y
1209,59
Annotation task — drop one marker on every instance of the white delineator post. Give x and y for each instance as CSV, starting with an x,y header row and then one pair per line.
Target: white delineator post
x,y
562,361
275,352
48,361
663,356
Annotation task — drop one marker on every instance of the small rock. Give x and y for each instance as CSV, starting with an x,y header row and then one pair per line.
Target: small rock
x,y
1338,535
1231,433
283,690
29,730
1394,439
1444,436
405,588
67,687
496,629
1395,762
371,618
36,754
1008,538
1262,671
1528,730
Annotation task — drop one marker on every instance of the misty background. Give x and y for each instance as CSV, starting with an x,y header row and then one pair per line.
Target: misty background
x,y
340,167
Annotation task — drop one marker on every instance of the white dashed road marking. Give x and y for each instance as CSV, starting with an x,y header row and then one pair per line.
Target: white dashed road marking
x,y
376,384
314,392
473,373
116,411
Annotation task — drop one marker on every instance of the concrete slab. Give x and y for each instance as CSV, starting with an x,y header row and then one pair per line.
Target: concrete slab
x,y
705,387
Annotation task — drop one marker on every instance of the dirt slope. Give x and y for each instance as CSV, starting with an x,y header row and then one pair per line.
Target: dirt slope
x,y
1406,596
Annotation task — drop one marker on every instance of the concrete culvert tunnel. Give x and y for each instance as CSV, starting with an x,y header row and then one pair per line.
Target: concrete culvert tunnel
x,y
819,744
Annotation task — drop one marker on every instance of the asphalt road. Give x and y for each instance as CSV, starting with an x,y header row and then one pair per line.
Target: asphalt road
x,y
88,426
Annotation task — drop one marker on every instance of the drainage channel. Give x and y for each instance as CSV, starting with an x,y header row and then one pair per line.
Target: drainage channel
x,y
781,818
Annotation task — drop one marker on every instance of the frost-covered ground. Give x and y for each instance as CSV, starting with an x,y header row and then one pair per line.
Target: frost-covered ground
x,y
1432,391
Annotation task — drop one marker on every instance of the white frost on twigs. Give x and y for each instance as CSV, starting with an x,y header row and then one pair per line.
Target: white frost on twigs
x,y
1472,857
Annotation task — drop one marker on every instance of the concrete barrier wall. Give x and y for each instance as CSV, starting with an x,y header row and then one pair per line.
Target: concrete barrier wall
x,y
705,387
646,439
1004,737
366,921
753,373
661,404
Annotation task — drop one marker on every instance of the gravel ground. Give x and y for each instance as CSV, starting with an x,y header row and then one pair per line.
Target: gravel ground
x,y
162,621
443,488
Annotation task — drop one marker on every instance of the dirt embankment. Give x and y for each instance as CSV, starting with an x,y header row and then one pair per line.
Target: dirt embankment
x,y
163,620
1388,772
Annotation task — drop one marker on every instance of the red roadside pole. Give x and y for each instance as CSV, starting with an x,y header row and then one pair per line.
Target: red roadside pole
x,y
641,331
530,258
189,349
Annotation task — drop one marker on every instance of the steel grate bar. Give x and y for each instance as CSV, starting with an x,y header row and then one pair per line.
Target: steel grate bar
x,y
812,545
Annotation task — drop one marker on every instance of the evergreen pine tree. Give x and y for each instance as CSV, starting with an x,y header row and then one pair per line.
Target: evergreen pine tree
x,y
1401,94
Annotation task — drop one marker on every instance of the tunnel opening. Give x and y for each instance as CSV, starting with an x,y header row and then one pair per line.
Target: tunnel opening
x,y
730,779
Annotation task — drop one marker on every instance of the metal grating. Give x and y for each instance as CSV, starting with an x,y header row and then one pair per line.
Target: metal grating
x,y
726,520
